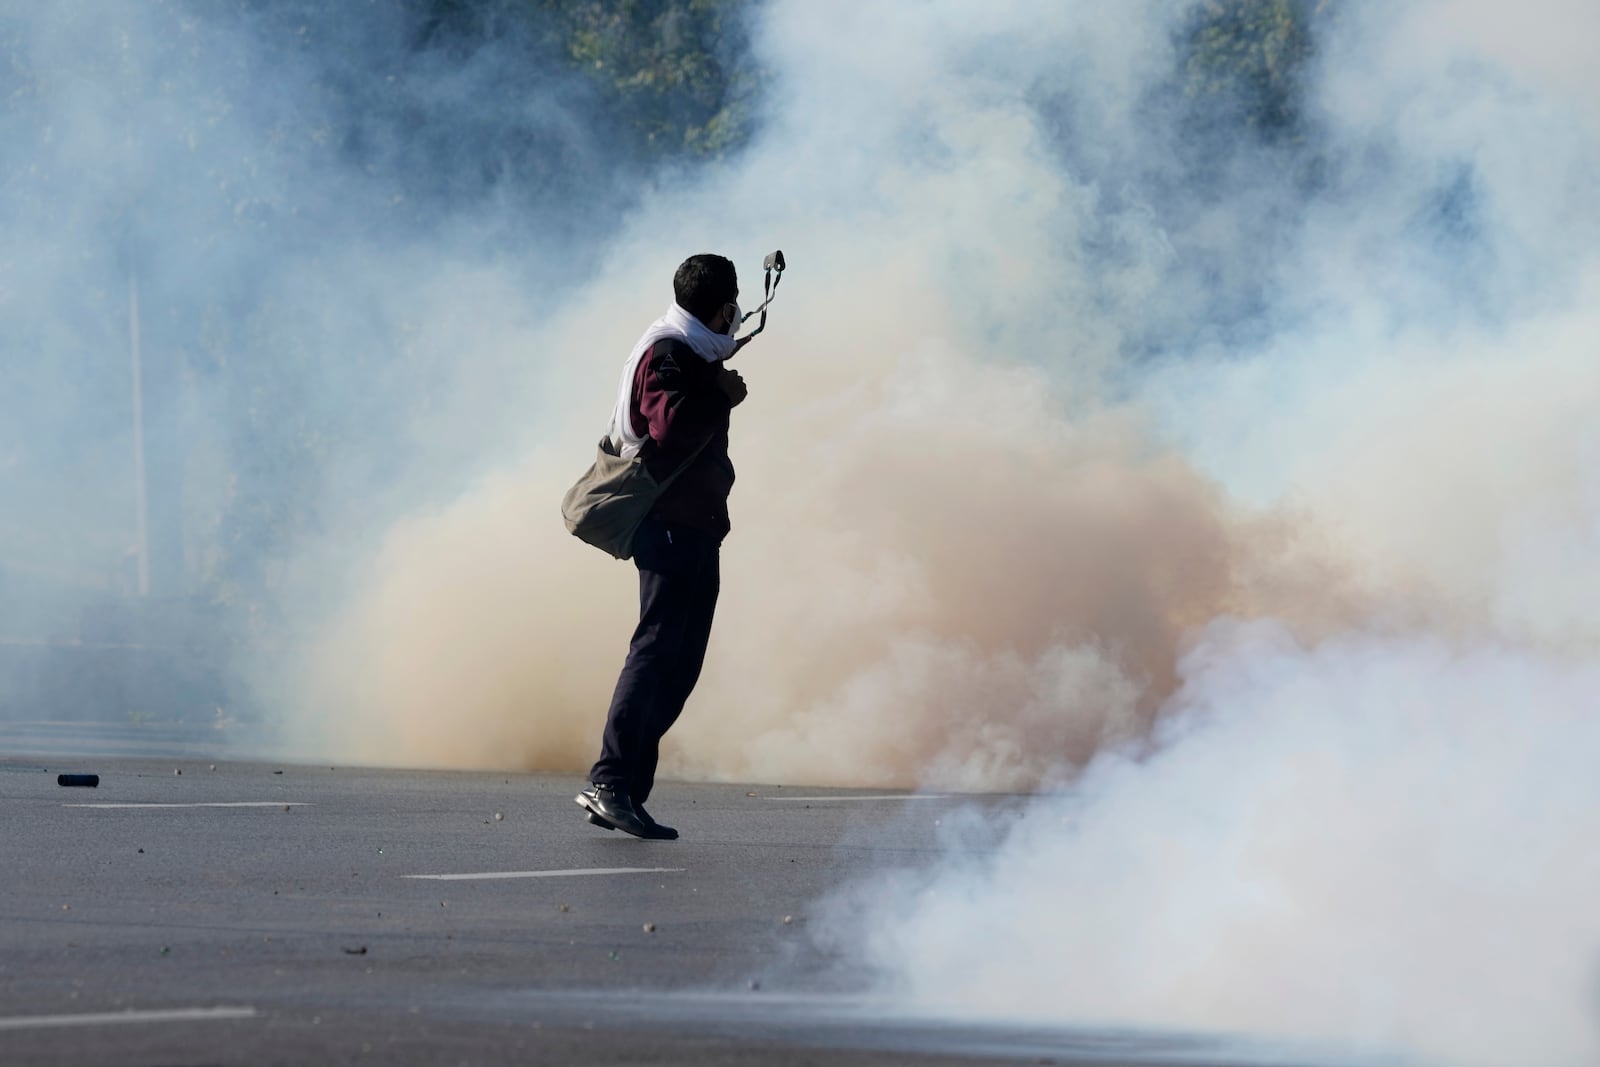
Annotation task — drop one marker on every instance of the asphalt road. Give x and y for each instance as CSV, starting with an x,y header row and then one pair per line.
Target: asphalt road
x,y
242,913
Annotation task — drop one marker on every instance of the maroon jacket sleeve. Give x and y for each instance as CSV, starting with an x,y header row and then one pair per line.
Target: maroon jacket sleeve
x,y
678,403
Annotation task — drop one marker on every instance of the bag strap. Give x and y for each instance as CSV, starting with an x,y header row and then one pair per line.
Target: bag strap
x,y
669,479
701,447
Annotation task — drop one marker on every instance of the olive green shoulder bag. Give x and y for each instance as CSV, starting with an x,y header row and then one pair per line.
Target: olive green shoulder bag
x,y
605,507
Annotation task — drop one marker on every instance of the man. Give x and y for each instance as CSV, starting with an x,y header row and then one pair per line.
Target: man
x,y
673,408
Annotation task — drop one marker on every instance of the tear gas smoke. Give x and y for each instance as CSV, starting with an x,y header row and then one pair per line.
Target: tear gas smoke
x,y
1375,843
1375,837
1007,472
957,561
1241,483
967,552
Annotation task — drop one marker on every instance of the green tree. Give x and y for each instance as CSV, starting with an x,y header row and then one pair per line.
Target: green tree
x,y
671,67
1245,60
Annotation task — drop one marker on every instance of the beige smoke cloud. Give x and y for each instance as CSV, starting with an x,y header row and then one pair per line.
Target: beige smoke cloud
x,y
937,576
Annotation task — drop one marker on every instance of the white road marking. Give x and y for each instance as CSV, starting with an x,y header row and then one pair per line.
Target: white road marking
x,y
112,1018
573,873
208,804
873,796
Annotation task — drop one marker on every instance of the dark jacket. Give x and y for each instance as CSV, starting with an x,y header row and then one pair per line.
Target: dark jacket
x,y
678,404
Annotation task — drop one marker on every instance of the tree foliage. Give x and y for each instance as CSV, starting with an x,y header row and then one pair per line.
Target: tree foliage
x,y
1245,60
671,65
670,74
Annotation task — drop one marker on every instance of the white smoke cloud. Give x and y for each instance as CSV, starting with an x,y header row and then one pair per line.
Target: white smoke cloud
x,y
1380,844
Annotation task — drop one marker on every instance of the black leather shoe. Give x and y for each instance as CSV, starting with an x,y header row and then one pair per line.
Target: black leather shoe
x,y
658,831
613,809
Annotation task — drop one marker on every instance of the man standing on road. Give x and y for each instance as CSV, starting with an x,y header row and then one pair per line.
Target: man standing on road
x,y
673,408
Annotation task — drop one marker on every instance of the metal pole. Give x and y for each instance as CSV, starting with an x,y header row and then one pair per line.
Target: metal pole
x,y
138,437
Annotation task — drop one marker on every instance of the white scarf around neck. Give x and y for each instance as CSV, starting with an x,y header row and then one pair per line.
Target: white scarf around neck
x,y
676,323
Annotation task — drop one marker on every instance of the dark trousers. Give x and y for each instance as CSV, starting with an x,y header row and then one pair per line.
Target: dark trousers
x,y
679,577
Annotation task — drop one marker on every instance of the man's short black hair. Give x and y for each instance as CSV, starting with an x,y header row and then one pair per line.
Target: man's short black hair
x,y
704,283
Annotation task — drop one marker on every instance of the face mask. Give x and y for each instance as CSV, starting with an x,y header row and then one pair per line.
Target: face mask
x,y
735,320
